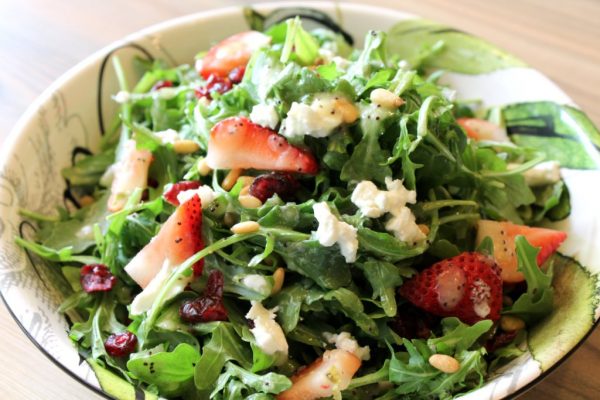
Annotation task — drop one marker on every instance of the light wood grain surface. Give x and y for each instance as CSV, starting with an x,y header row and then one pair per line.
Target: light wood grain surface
x,y
41,39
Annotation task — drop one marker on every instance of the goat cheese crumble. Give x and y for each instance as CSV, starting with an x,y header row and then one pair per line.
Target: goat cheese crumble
x,y
319,118
331,231
206,193
257,283
345,341
373,203
265,115
267,332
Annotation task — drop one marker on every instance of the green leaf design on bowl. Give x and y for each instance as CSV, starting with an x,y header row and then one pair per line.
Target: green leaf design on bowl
x,y
575,297
431,45
563,132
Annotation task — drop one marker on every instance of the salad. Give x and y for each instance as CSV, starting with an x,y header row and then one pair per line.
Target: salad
x,y
294,218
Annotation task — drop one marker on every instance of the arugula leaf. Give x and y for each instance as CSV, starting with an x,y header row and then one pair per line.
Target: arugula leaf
x,y
537,302
384,278
63,255
368,160
412,372
171,371
325,265
349,303
299,43
458,336
88,170
225,344
386,246
271,382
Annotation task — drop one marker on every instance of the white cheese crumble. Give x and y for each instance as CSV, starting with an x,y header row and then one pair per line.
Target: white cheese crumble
x,y
144,300
373,203
268,334
345,341
332,231
319,118
257,283
545,173
206,193
169,136
265,115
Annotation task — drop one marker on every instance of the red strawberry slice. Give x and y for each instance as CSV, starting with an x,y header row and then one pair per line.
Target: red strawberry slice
x,y
503,236
480,129
173,189
467,286
179,238
237,142
233,52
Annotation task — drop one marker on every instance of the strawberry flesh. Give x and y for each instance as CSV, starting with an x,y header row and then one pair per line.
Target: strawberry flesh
x,y
173,189
179,238
503,236
467,286
231,53
236,142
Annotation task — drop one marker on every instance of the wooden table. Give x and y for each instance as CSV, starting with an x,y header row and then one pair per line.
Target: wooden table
x,y
41,39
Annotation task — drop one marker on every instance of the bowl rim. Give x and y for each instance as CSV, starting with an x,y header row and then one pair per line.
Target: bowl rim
x,y
10,142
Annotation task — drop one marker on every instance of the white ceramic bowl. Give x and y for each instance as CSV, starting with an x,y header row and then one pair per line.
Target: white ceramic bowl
x,y
73,112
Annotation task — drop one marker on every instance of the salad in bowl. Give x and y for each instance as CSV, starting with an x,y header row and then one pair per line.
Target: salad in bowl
x,y
295,218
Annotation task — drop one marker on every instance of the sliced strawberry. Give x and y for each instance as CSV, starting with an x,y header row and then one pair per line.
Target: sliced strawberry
x,y
130,173
503,236
480,129
233,52
327,375
173,189
467,286
179,238
237,142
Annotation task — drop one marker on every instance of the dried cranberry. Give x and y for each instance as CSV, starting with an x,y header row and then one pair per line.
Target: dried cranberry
x,y
213,84
203,309
162,84
265,186
412,323
120,344
209,306
214,285
96,278
174,189
500,339
237,74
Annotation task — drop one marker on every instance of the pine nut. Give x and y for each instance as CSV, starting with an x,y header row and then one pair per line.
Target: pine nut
x,y
444,363
203,168
231,178
246,180
248,201
424,228
508,323
185,146
245,227
385,98
278,277
245,190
